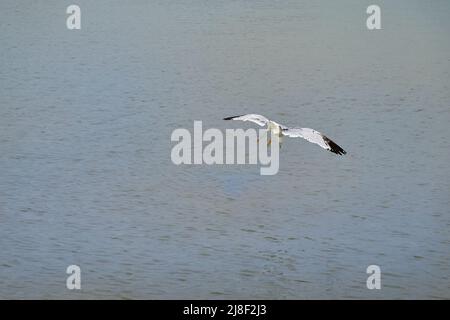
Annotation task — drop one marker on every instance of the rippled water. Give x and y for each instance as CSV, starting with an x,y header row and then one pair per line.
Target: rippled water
x,y
85,170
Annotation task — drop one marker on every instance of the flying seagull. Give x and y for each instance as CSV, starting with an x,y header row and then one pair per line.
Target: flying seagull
x,y
277,129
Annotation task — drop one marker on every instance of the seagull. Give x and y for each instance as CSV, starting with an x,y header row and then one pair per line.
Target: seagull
x,y
277,129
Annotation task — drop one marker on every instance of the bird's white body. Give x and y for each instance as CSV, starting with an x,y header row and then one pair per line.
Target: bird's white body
x,y
274,128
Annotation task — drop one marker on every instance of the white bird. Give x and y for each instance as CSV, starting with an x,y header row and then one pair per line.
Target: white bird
x,y
277,129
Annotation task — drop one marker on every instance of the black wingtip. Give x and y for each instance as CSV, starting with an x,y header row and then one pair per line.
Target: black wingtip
x,y
339,152
334,147
231,118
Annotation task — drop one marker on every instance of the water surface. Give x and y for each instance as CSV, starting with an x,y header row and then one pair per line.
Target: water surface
x,y
85,170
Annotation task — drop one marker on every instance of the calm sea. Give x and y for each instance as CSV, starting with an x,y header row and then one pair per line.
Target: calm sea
x,y
86,176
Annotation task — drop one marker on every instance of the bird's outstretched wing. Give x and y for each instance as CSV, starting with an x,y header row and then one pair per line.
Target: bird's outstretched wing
x,y
315,137
256,118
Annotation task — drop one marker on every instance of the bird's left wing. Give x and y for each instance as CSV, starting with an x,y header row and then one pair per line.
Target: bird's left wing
x,y
256,118
315,137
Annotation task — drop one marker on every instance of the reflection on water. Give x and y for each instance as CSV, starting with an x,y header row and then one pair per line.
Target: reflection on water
x,y
86,176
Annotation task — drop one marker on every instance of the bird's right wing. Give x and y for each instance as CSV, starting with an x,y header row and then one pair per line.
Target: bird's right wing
x,y
315,137
256,118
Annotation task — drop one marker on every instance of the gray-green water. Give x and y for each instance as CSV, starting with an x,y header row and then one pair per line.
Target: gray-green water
x,y
85,170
